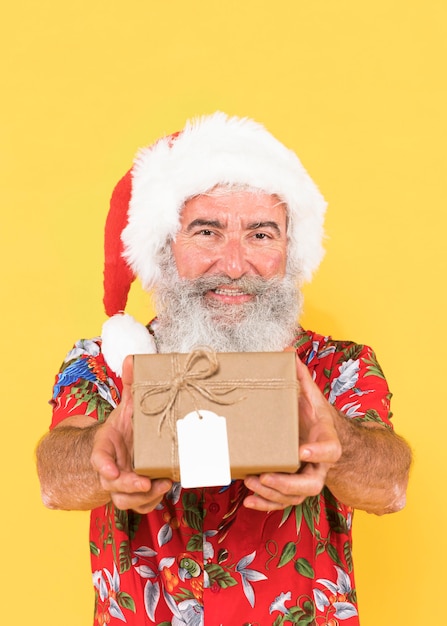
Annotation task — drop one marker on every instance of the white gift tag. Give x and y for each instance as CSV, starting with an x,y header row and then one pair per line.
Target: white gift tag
x,y
203,450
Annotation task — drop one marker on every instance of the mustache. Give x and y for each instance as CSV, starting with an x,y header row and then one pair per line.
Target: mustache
x,y
252,285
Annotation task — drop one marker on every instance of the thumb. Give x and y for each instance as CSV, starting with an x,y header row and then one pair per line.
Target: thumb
x,y
304,377
309,390
127,378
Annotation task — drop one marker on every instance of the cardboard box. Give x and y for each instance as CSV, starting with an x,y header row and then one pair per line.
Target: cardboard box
x,y
256,393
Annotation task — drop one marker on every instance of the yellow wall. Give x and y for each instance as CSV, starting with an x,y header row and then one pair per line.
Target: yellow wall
x,y
358,90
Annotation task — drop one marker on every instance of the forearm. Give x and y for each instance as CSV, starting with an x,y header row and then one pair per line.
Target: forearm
x,y
68,480
372,472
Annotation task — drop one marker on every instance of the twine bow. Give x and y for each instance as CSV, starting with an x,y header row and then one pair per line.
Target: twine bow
x,y
192,379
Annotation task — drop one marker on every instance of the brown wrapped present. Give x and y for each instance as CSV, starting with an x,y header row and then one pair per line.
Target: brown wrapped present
x,y
255,392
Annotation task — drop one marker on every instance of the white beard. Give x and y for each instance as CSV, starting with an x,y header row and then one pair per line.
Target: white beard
x,y
187,319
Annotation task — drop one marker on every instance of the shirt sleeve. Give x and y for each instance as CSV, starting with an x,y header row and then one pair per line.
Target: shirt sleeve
x,y
353,381
84,384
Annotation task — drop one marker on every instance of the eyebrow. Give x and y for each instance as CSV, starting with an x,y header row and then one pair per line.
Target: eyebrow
x,y
268,224
217,224
201,222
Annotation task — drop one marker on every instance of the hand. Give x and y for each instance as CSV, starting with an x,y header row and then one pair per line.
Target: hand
x,y
112,457
319,450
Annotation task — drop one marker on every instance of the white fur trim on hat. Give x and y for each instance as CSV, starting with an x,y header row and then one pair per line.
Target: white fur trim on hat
x,y
123,335
213,150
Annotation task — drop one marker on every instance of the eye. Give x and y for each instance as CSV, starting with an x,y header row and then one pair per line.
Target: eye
x,y
205,231
262,236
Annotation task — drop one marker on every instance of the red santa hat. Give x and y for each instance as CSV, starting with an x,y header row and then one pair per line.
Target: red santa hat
x,y
146,204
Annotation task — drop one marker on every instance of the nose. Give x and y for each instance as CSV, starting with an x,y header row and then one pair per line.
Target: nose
x,y
232,260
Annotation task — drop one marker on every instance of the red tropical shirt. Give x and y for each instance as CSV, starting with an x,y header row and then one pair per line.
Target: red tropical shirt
x,y
202,558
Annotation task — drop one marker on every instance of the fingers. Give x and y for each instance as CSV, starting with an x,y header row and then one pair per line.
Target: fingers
x,y
320,449
327,451
277,491
127,378
302,373
308,389
111,459
127,482
110,454
139,499
103,460
131,491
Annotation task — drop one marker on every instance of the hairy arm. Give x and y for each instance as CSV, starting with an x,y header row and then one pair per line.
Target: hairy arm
x,y
65,472
364,467
83,464
372,471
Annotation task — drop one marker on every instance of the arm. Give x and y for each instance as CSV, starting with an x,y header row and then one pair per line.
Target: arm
x,y
83,464
365,467
372,471
66,475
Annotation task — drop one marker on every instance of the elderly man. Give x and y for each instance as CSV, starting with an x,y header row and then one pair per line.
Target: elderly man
x,y
224,224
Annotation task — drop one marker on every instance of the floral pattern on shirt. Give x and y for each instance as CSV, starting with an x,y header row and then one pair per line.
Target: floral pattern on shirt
x,y
201,557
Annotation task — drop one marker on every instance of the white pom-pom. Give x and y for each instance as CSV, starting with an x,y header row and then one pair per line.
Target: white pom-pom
x,y
123,335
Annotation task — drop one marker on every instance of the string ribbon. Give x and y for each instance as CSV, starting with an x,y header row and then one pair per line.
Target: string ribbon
x,y
192,379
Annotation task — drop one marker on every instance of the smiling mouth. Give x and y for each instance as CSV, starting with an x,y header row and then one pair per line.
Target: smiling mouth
x,y
223,295
222,291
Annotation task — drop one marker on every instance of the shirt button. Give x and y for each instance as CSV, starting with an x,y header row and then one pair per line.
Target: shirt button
x,y
214,507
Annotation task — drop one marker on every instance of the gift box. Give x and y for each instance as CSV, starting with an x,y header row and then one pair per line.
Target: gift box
x,y
196,413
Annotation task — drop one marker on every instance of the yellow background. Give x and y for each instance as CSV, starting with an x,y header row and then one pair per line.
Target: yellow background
x,y
358,90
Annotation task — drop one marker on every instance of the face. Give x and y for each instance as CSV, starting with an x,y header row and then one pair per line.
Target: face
x,y
232,234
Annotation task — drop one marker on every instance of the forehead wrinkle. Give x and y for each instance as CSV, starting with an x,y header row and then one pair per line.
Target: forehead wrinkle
x,y
220,192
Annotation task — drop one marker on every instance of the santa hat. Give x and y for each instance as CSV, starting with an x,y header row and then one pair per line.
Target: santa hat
x,y
145,209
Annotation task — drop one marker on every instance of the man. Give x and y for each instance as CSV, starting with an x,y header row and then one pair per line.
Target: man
x,y
224,224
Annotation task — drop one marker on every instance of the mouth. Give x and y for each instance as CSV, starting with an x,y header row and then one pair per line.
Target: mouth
x,y
229,295
225,291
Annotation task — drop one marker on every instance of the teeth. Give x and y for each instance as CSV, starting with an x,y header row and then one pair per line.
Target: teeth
x,y
228,292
